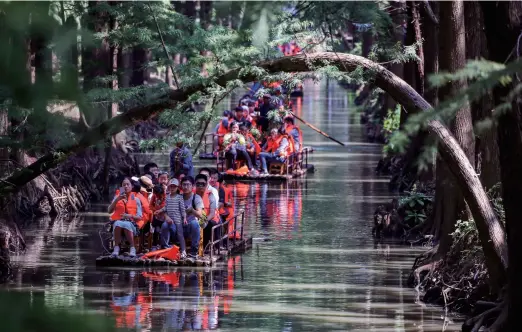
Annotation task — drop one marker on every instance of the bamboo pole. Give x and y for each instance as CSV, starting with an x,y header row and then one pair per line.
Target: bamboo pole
x,y
315,128
308,124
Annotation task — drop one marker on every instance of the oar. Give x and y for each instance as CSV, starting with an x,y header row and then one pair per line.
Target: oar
x,y
315,128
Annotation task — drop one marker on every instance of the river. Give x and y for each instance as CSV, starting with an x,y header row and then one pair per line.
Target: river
x,y
321,269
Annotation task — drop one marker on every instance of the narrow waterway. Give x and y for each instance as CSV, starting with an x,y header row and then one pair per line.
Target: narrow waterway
x,y
321,269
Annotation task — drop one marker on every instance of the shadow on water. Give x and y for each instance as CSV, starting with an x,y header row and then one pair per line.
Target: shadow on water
x,y
314,265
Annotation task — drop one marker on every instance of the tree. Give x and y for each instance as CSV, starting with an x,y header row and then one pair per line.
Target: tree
x,y
452,57
486,147
501,38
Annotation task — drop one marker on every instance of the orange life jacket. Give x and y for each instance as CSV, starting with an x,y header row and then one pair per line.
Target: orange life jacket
x,y
289,129
222,131
228,199
128,206
206,205
273,145
145,209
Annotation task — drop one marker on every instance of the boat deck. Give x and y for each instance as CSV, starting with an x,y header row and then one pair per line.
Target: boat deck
x,y
271,177
235,247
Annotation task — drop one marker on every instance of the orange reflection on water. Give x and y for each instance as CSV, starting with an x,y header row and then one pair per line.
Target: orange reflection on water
x,y
181,299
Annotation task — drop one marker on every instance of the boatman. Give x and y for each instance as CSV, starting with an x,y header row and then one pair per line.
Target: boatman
x,y
181,159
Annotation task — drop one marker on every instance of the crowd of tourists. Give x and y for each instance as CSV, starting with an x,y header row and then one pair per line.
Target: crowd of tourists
x,y
163,206
254,137
177,204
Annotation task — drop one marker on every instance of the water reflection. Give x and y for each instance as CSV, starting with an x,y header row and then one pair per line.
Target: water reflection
x,y
172,300
320,271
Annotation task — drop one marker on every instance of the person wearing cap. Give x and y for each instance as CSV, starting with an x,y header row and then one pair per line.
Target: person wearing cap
x,y
181,158
175,218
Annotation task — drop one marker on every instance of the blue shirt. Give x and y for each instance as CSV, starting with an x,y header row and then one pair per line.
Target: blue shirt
x,y
184,157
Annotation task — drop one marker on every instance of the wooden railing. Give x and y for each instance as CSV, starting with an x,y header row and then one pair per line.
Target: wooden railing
x,y
238,227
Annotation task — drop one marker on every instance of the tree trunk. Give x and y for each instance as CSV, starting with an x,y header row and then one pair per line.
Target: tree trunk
x,y
96,58
490,230
69,70
486,147
205,17
397,15
452,57
139,63
112,111
367,43
42,33
502,22
431,50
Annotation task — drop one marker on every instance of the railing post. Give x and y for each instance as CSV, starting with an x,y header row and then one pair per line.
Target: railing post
x,y
242,223
211,244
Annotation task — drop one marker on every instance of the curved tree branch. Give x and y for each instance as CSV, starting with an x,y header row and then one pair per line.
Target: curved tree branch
x,y
491,232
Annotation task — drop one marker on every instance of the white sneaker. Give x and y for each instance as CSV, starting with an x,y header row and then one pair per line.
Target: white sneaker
x,y
132,252
183,255
116,251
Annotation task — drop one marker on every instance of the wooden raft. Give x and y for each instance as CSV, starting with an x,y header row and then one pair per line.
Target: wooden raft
x,y
271,177
238,247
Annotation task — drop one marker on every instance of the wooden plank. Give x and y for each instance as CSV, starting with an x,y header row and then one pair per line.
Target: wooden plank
x,y
126,261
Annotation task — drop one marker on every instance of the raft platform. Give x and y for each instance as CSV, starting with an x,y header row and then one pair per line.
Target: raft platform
x,y
236,244
239,247
271,177
295,166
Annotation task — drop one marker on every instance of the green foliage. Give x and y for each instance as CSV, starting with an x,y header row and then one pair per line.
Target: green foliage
x,y
416,206
22,312
391,125
484,76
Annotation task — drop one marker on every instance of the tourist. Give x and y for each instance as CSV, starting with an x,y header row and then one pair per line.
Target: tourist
x,y
206,171
157,207
275,149
252,146
194,209
163,179
175,218
181,159
153,170
125,210
292,131
210,205
235,146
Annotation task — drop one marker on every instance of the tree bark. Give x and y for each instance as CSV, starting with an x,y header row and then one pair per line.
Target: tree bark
x,y
41,33
502,22
452,57
205,17
96,58
490,230
486,147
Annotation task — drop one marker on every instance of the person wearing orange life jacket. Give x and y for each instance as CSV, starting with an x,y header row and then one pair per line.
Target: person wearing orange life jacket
x,y
294,132
125,211
276,148
221,129
210,206
252,146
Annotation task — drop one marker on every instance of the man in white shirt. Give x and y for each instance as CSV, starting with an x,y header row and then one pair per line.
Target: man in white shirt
x,y
206,171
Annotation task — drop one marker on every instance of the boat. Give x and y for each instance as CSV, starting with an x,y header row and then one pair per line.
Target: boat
x,y
237,243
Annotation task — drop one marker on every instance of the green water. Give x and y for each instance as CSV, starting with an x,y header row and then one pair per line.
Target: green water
x,y
320,271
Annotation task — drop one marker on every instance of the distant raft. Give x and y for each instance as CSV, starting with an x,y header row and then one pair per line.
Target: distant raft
x,y
295,166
